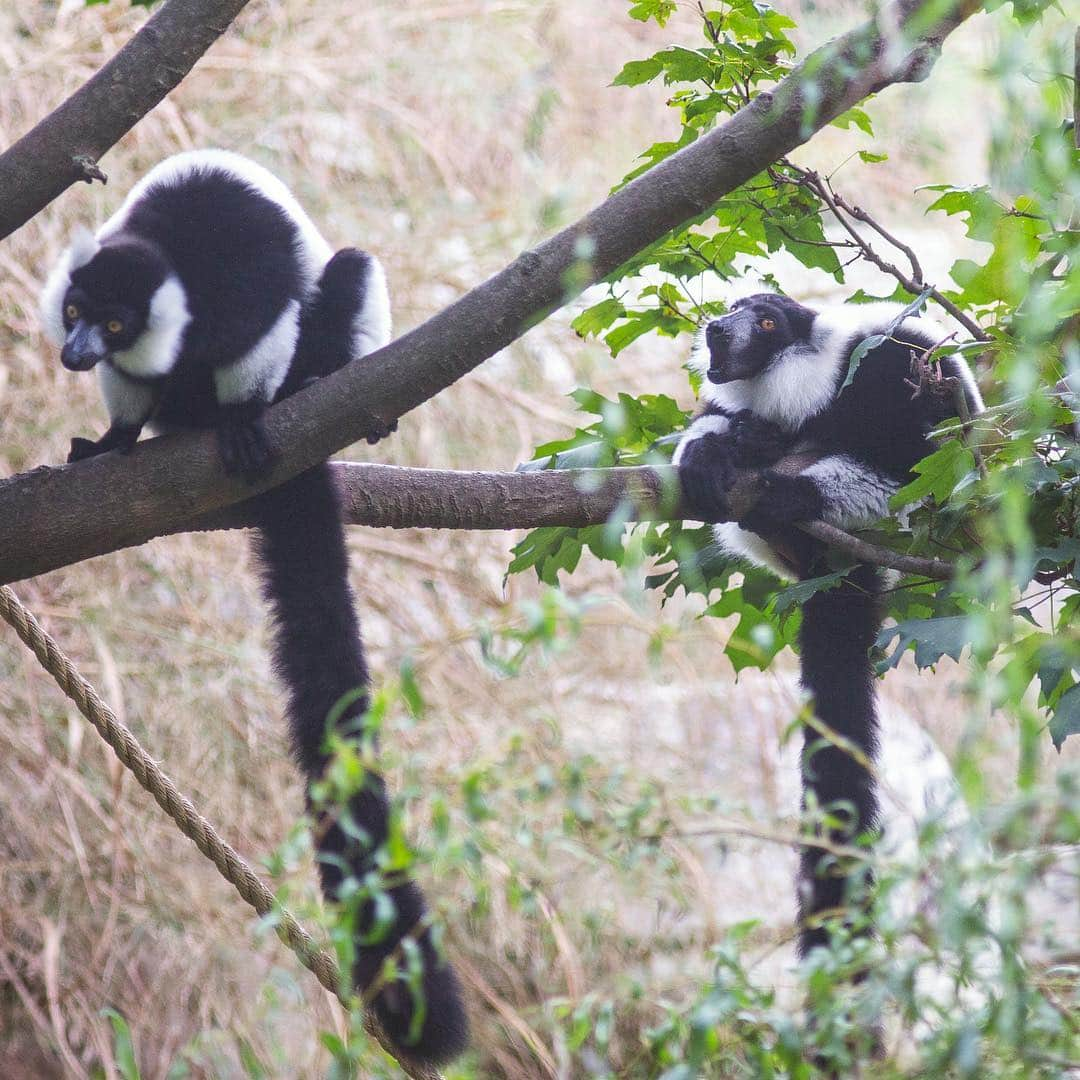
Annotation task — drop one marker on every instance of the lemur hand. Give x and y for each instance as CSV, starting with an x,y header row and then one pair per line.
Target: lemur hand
x,y
245,447
706,475
784,500
755,441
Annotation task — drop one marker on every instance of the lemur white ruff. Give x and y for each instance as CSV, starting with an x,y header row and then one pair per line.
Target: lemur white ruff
x,y
207,296
774,372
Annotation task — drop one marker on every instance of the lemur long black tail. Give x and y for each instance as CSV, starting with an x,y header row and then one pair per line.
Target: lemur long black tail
x,y
319,656
838,628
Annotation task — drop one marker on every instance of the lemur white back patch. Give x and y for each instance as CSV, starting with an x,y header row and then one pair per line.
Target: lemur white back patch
x,y
257,375
740,543
371,326
156,350
855,494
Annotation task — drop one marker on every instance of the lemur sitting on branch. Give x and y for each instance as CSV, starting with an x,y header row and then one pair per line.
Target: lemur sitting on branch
x,y
774,389
208,295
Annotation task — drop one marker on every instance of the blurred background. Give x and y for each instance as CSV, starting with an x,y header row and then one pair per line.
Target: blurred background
x,y
445,137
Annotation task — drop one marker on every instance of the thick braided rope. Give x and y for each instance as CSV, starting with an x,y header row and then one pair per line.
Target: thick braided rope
x,y
180,808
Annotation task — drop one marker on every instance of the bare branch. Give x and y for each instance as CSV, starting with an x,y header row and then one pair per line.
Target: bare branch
x,y
842,211
66,146
54,517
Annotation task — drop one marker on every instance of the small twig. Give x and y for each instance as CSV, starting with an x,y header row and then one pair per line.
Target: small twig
x,y
962,410
925,375
859,214
756,832
88,168
842,210
937,569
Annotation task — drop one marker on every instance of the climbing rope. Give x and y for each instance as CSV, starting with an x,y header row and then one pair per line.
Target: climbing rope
x,y
180,808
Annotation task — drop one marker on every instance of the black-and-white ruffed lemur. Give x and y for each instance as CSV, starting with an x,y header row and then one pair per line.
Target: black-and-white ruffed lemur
x,y
773,388
207,296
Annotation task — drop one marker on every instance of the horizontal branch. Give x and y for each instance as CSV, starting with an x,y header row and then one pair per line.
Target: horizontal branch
x,y
391,497
55,517
65,147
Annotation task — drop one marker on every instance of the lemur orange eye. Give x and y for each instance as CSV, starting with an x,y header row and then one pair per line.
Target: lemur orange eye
x,y
71,312
767,324
114,326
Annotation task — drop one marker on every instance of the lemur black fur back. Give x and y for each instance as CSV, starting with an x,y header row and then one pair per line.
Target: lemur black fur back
x,y
207,296
774,389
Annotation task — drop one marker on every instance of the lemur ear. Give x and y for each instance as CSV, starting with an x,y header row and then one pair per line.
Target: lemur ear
x,y
801,319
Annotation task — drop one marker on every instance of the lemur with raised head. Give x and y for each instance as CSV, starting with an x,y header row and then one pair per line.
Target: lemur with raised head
x,y
774,373
208,295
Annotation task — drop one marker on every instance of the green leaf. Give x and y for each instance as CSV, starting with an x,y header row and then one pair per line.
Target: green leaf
x,y
854,117
1066,718
660,10
981,209
758,635
637,323
547,550
636,72
798,594
931,638
938,475
123,1048
598,317
871,158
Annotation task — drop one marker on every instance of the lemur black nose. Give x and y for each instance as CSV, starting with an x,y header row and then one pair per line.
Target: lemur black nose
x,y
715,332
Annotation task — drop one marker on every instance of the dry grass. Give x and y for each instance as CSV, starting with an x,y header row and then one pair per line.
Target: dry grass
x,y
445,136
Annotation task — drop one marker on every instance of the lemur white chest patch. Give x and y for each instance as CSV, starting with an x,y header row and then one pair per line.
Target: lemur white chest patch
x,y
797,385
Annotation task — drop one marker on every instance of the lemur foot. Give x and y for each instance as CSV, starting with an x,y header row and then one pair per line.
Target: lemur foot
x,y
380,429
120,438
784,500
81,449
755,441
246,449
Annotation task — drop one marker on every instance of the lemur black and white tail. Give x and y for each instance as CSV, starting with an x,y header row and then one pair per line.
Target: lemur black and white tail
x,y
319,657
839,626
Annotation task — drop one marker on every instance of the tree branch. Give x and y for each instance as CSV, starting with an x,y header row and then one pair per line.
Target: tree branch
x,y
916,283
51,518
66,146
392,497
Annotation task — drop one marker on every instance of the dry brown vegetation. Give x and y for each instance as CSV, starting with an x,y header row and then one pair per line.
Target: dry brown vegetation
x,y
445,136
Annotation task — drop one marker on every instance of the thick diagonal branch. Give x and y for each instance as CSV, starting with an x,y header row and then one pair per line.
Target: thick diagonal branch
x,y
51,519
66,146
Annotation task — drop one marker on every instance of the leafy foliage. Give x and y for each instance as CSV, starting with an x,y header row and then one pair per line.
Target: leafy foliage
x,y
1000,499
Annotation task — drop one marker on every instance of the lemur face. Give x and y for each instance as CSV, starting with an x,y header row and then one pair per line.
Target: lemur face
x,y
755,331
108,304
